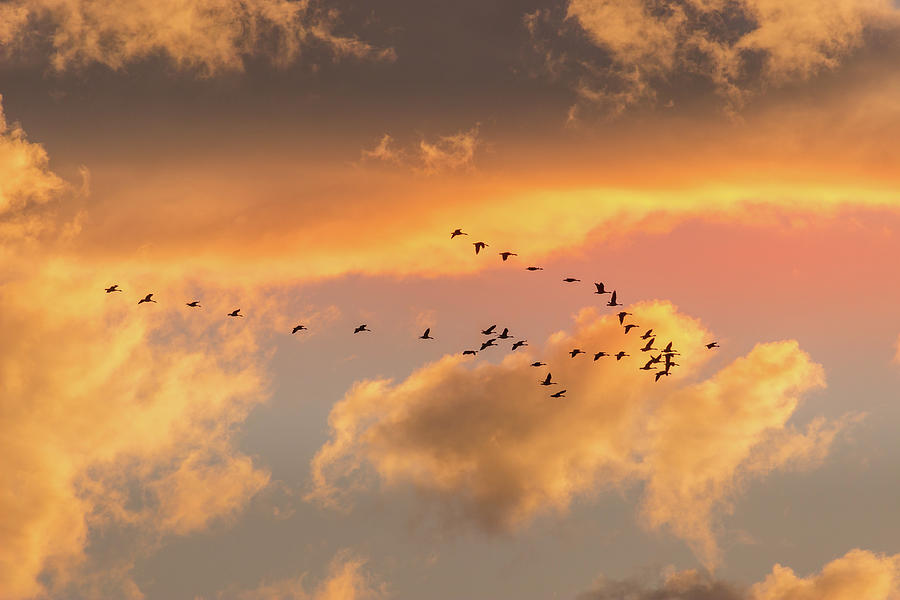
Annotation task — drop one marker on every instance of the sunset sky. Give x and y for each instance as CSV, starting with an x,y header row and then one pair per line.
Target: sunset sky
x,y
729,167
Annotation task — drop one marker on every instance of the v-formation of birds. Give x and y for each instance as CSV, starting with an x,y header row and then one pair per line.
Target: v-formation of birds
x,y
665,355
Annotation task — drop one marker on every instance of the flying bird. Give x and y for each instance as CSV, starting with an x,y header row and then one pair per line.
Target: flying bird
x,y
712,345
479,246
570,280
504,335
472,352
147,298
538,364
649,366
297,328
488,343
647,335
193,304
660,374
113,288
629,327
519,344
425,335
622,316
600,289
657,358
489,330
649,346
506,255
559,394
600,355
534,268
620,354
457,232
235,313
612,301
361,328
576,352
668,350
547,381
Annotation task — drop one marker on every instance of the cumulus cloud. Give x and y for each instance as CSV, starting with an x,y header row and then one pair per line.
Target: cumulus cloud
x,y
857,574
739,47
206,35
444,153
487,446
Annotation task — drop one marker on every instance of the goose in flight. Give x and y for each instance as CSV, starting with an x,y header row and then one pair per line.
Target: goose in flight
x,y
669,351
660,374
147,298
538,364
457,232
570,280
504,335
534,268
649,346
647,335
600,355
559,394
622,316
547,381
612,301
657,358
472,352
600,289
649,366
361,328
113,288
712,345
489,330
506,255
629,327
488,343
235,313
576,352
519,344
193,304
479,246
298,328
620,354
426,336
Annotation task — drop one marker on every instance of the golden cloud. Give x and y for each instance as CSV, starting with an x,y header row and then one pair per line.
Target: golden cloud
x,y
206,35
445,153
488,446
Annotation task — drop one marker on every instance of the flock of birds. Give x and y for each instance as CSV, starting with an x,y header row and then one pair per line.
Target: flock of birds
x,y
662,363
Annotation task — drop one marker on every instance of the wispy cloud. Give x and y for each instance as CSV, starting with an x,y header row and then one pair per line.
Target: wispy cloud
x,y
443,153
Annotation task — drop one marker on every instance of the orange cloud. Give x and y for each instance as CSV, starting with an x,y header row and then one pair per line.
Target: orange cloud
x,y
488,446
207,35
446,153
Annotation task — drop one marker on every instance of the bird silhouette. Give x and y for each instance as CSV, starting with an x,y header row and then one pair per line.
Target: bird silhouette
x,y
668,350
472,352
361,328
657,358
297,328
660,374
647,335
576,352
534,268
425,335
612,301
649,366
570,280
538,364
193,304
235,313
489,330
621,354
712,345
506,255
113,288
547,381
147,298
559,394
600,289
488,343
629,327
504,335
649,346
600,355
622,316
519,344
479,246
457,232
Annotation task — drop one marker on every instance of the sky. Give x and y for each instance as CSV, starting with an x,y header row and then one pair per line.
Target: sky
x,y
729,168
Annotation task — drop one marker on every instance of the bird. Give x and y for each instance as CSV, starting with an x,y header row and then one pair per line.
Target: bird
x,y
570,280
489,330
472,352
534,268
297,328
712,345
668,350
235,313
538,364
361,328
425,335
113,288
600,289
147,298
620,354
479,246
649,366
629,327
457,232
547,381
660,374
600,355
670,364
193,304
576,352
657,358
488,343
506,255
559,394
622,316
504,335
612,301
649,346
647,335
519,344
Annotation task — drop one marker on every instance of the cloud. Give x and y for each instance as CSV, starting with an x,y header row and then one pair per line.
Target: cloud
x,y
857,574
209,36
445,153
487,446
